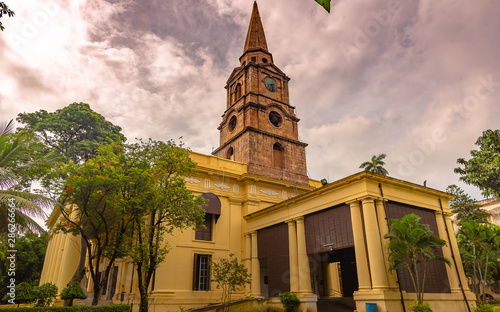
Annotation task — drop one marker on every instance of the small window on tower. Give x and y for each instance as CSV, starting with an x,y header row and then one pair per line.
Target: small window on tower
x,y
254,59
230,154
275,119
264,60
278,155
238,92
232,123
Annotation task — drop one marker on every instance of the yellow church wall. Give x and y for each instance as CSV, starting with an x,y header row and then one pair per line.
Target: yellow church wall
x,y
249,203
61,258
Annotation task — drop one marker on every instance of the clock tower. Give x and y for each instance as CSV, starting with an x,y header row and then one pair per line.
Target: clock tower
x,y
259,126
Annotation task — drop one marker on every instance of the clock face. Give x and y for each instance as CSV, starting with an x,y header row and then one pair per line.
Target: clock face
x,y
270,84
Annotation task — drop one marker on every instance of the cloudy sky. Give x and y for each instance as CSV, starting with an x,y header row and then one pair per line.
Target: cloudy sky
x,y
417,80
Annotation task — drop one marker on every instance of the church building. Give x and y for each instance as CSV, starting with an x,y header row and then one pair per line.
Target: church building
x,y
323,241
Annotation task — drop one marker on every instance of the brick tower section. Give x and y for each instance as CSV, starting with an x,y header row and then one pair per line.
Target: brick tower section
x,y
259,126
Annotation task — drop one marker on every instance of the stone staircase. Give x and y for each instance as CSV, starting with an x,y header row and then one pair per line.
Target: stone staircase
x,y
88,301
342,304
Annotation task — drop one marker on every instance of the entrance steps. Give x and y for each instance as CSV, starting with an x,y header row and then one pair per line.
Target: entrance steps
x,y
88,301
341,304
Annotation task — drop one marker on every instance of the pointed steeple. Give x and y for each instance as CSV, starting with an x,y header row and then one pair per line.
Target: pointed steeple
x,y
259,126
256,39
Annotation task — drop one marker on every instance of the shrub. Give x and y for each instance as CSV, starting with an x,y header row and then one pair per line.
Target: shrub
x,y
45,294
73,291
229,274
416,307
24,293
290,301
484,308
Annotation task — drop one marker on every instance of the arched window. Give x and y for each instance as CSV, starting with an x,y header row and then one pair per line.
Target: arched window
x,y
237,92
212,208
232,123
278,155
230,153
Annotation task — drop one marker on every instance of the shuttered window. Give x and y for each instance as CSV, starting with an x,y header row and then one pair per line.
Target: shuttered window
x,y
205,234
278,155
201,272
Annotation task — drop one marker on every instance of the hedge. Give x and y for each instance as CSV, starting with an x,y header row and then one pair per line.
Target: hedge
x,y
76,308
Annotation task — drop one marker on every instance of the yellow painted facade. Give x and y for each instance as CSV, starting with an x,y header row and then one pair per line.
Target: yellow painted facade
x,y
255,204
250,203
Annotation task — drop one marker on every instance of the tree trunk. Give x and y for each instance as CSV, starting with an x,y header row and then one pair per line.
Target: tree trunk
x,y
97,293
80,270
144,299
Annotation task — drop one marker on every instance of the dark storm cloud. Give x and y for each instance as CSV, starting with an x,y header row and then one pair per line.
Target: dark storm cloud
x,y
194,24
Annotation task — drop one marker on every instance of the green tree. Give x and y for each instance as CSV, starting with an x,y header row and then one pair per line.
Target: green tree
x,y
4,9
24,293
167,205
229,274
376,165
104,195
465,207
17,206
73,291
412,245
72,133
45,294
479,245
483,169
30,256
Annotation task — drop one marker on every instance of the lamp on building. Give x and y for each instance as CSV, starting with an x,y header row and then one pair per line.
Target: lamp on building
x,y
324,182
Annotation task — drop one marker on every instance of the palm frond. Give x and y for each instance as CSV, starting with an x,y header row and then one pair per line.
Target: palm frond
x,y
23,223
7,179
27,203
7,127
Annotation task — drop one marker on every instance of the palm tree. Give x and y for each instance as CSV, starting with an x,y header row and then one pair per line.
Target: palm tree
x,y
375,165
479,245
13,148
412,246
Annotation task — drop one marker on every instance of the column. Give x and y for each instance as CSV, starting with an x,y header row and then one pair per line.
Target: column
x,y
51,261
333,280
248,259
454,246
292,245
44,277
71,258
375,253
255,267
359,247
384,229
61,239
303,259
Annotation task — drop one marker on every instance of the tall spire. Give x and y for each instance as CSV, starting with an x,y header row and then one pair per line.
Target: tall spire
x,y
256,39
